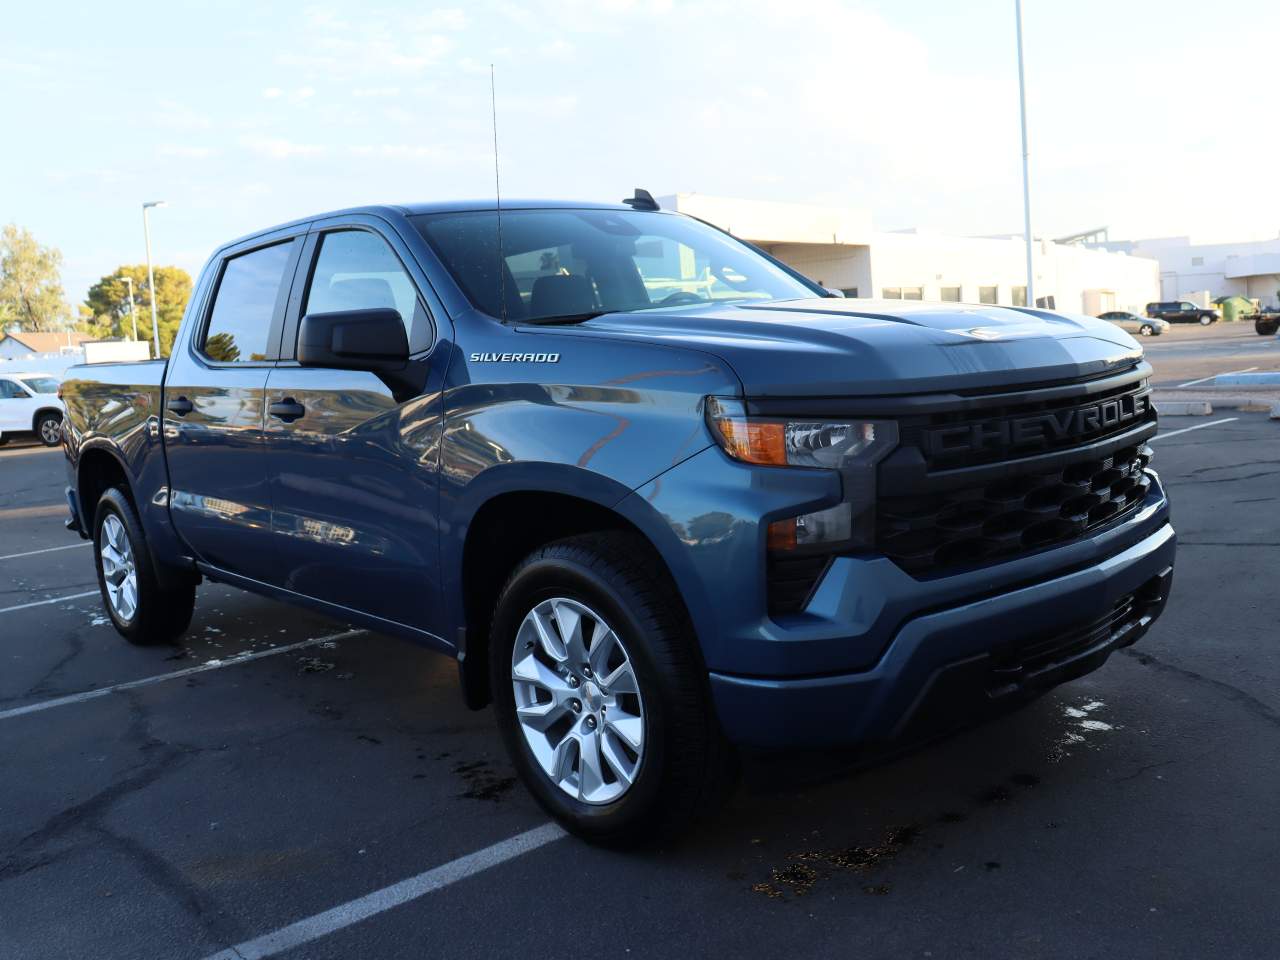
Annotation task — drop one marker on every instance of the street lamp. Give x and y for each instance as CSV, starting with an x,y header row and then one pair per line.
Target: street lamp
x,y
151,277
1026,179
133,312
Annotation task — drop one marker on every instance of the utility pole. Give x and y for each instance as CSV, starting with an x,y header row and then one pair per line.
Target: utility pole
x,y
151,277
1026,177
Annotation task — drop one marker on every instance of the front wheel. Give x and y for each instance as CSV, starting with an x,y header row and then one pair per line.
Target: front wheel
x,y
49,429
142,611
1146,330
1205,321
600,694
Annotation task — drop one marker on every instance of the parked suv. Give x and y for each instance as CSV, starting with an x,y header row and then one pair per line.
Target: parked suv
x,y
1182,311
657,494
29,403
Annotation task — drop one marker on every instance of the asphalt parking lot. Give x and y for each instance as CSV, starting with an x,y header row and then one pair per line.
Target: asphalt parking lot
x,y
283,786
1189,354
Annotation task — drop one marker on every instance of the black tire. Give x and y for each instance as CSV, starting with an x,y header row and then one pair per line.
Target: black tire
x,y
1146,330
49,429
1205,321
162,614
688,768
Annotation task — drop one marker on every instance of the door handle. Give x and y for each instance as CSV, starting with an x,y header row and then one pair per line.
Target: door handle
x,y
287,410
179,405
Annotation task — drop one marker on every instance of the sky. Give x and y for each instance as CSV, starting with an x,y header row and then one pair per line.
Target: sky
x,y
1152,117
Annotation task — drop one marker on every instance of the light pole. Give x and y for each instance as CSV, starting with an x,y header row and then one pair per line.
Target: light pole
x,y
133,312
151,277
1026,179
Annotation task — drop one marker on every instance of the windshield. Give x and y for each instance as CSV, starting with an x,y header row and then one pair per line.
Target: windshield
x,y
41,384
572,264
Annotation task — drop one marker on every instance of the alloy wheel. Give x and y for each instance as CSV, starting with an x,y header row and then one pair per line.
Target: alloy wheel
x,y
119,573
577,700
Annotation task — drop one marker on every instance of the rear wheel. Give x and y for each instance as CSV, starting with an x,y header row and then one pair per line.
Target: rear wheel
x,y
599,692
141,610
49,429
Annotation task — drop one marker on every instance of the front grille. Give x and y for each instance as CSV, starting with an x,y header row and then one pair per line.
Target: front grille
x,y
930,533
791,579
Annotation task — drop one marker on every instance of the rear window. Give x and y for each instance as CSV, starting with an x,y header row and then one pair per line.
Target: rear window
x,y
239,328
41,384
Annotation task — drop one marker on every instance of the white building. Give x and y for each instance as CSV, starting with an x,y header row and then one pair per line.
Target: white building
x,y
839,248
1202,271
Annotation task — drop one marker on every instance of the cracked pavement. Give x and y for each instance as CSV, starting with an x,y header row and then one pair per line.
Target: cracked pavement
x,y
1131,813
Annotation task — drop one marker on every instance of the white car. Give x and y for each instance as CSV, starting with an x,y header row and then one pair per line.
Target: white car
x,y
29,403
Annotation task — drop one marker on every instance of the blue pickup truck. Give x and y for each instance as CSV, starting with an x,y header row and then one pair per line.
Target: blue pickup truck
x,y
663,499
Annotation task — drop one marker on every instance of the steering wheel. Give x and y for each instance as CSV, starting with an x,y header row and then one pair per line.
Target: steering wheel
x,y
679,297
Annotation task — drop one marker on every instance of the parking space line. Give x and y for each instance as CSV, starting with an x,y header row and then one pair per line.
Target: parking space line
x,y
379,901
45,603
1192,383
175,675
1198,426
32,553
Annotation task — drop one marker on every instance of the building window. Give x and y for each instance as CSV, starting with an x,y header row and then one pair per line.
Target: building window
x,y
913,293
849,291
949,294
1197,261
989,294
891,293
1019,296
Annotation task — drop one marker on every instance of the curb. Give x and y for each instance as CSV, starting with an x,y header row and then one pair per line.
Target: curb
x,y
1185,408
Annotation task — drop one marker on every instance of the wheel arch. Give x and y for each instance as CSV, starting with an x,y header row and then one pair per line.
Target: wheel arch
x,y
507,526
36,417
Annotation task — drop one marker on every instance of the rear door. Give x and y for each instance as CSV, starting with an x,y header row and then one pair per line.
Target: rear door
x,y
214,410
353,470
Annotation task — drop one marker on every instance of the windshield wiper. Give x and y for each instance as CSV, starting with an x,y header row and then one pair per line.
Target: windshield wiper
x,y
567,317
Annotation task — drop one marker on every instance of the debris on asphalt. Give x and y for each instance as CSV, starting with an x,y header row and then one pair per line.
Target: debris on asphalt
x,y
314,665
798,878
482,783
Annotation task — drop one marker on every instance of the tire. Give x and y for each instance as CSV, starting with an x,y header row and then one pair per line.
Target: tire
x,y
49,429
1146,330
1205,321
156,614
683,768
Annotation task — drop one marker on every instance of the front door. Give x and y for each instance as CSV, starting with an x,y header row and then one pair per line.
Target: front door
x,y
214,410
16,407
352,469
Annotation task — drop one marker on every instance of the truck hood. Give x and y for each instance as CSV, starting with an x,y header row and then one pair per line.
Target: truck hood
x,y
837,347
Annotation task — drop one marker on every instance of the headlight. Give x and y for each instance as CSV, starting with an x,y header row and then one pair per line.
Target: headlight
x,y
832,445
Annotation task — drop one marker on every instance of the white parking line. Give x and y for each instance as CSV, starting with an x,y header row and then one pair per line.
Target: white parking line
x,y
1198,426
32,553
1192,383
45,603
177,674
372,904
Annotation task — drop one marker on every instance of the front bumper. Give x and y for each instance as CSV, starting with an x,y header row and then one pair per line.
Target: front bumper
x,y
949,665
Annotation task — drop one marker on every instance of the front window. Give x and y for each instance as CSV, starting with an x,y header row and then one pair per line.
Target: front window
x,y
41,384
572,264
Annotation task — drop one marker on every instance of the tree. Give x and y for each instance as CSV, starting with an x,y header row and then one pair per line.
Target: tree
x,y
108,300
30,283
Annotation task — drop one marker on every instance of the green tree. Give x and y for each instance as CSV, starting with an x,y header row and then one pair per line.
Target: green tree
x,y
30,283
108,300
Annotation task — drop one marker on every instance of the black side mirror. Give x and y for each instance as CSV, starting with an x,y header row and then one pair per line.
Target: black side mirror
x,y
372,340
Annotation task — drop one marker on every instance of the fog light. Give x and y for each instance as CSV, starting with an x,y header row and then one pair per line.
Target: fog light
x,y
833,525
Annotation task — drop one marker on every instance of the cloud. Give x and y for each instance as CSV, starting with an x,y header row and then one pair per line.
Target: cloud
x,y
178,116
399,151
279,148
185,151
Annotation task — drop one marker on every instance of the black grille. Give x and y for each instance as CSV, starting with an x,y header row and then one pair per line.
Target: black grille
x,y
791,579
987,522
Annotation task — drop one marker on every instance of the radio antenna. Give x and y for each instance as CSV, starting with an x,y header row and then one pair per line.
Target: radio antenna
x,y
497,191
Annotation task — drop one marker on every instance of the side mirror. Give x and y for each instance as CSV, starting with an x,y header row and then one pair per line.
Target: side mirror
x,y
372,340
833,292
